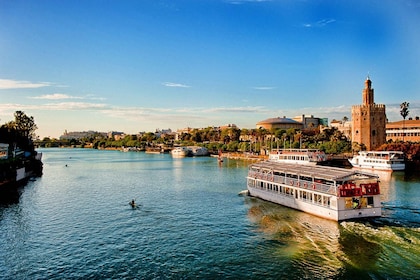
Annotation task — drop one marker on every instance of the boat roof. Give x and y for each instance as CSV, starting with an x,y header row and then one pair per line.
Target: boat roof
x,y
316,171
381,152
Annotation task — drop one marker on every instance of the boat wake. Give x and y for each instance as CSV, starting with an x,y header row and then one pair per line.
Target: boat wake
x,y
321,248
244,193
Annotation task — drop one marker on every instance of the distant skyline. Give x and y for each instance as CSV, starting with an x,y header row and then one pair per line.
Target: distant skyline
x,y
136,66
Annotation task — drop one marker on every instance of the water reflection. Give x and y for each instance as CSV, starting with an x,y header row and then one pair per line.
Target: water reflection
x,y
10,194
312,243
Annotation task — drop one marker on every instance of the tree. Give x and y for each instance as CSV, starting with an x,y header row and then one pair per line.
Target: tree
x,y
24,124
404,113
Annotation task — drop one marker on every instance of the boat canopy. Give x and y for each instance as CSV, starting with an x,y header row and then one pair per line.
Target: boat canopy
x,y
319,172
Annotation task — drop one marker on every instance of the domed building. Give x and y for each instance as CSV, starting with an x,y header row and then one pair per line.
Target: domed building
x,y
279,123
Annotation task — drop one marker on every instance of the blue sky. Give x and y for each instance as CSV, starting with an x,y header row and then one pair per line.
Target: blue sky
x,y
133,66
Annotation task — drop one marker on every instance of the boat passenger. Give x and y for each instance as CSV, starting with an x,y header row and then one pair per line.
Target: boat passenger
x,y
355,203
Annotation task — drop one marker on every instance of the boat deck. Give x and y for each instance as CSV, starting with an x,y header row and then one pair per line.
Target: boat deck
x,y
314,171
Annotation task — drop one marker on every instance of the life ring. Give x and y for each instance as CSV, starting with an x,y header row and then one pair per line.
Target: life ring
x,y
291,182
298,184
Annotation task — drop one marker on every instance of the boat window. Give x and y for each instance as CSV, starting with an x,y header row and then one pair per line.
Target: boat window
x,y
363,202
317,198
326,200
370,200
349,203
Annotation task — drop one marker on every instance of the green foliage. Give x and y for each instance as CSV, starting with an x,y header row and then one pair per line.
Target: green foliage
x,y
404,109
232,146
23,124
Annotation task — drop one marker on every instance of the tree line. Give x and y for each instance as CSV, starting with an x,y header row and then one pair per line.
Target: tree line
x,y
329,140
21,132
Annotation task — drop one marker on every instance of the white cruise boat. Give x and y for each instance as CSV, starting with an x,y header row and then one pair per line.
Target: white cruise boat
x,y
180,152
328,192
379,160
299,156
197,151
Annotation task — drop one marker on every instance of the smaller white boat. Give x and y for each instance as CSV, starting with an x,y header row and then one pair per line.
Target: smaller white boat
x,y
379,160
180,152
198,151
297,156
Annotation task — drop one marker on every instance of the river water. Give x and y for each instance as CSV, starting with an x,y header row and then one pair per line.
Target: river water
x,y
74,222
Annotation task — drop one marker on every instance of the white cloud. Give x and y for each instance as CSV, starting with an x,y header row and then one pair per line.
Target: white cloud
x,y
168,84
13,84
60,96
263,88
69,106
74,106
319,23
94,97
56,96
248,109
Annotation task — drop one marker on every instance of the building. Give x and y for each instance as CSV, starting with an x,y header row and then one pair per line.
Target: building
x,y
279,123
368,120
309,122
228,126
408,129
343,126
77,135
116,135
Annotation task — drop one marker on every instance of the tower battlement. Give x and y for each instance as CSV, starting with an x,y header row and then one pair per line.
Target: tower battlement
x,y
370,106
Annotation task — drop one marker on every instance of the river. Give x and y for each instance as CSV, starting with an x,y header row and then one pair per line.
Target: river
x,y
75,222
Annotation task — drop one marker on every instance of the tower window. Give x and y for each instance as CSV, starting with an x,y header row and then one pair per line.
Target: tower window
x,y
373,132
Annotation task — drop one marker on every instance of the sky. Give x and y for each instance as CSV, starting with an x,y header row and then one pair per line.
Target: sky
x,y
133,66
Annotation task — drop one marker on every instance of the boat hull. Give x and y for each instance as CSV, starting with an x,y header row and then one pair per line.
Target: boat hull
x,y
317,210
383,167
180,152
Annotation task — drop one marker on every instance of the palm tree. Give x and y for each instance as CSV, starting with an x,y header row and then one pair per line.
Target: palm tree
x,y
404,113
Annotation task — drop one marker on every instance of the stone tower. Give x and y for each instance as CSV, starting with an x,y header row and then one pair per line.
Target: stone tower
x,y
368,120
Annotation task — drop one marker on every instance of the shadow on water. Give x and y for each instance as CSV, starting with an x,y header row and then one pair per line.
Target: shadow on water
x,y
10,194
318,249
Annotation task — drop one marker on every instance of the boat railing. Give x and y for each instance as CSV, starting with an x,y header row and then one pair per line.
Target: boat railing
x,y
294,182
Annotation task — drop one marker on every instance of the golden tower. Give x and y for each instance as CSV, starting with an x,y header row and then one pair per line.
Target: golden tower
x,y
368,120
